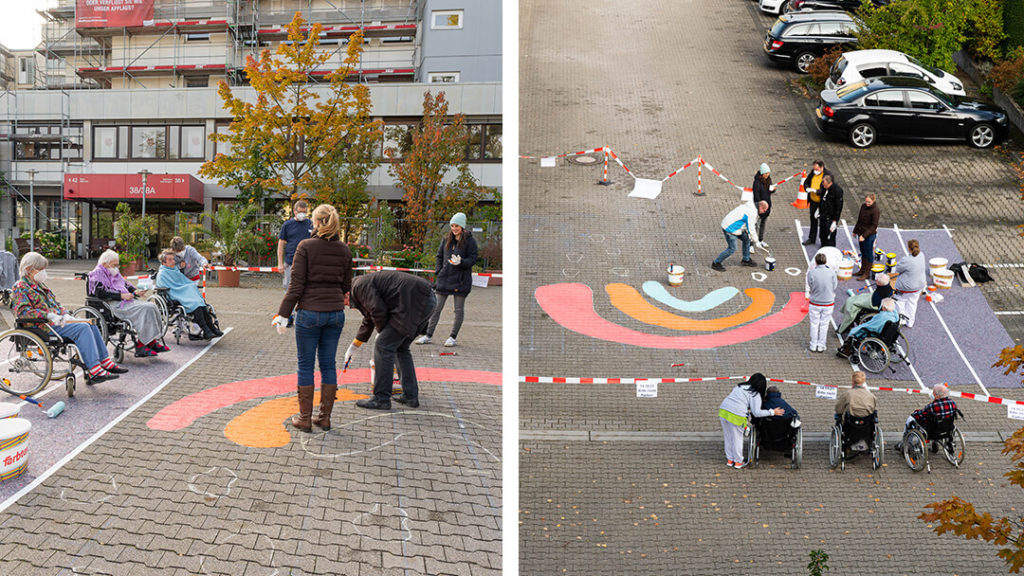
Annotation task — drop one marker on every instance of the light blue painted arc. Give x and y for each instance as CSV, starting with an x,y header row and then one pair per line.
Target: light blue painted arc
x,y
710,300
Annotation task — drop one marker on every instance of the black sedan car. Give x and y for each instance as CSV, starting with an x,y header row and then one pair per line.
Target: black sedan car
x,y
801,37
848,5
898,108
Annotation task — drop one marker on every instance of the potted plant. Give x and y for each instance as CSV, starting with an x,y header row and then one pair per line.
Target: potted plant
x,y
132,233
233,234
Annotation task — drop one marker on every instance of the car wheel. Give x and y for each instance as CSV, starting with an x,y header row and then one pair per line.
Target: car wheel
x,y
803,61
784,8
862,135
982,136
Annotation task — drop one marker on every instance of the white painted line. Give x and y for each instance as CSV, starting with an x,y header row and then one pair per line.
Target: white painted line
x,y
49,472
943,322
1010,313
854,246
1004,265
948,232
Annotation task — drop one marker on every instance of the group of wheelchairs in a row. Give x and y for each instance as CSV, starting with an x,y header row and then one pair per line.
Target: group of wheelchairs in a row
x,y
851,436
32,354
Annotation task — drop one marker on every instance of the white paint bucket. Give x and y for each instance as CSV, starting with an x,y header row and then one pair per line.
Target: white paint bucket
x,y
938,264
845,269
13,446
943,278
675,275
9,410
769,263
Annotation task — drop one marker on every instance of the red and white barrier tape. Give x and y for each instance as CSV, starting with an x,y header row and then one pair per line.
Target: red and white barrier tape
x,y
580,153
696,160
380,268
571,380
616,158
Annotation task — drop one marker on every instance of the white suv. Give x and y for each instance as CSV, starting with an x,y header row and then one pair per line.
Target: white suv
x,y
865,64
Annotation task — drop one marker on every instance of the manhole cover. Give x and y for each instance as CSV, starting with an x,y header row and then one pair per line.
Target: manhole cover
x,y
583,160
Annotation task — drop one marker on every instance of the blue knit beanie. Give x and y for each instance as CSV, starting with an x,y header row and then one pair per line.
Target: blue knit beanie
x,y
459,219
765,169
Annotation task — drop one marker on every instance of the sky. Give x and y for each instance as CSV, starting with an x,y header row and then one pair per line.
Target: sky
x,y
19,24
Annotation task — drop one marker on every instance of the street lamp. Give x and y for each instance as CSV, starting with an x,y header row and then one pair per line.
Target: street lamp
x,y
144,173
31,208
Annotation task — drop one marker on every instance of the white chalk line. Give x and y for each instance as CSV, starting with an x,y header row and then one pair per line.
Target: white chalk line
x,y
99,434
404,523
942,321
227,489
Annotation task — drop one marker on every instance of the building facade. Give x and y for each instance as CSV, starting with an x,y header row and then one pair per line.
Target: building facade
x,y
115,95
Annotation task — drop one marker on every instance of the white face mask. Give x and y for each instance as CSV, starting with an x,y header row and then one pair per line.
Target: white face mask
x,y
300,216
40,276
817,172
182,253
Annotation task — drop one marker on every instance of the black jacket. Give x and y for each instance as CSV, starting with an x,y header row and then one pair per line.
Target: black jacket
x,y
455,279
390,298
774,400
762,191
810,176
104,294
831,203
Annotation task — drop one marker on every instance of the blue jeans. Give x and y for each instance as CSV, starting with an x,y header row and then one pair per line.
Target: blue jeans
x,y
730,239
88,339
317,334
867,252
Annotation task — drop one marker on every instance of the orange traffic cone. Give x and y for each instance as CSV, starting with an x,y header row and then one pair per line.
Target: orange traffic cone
x,y
801,194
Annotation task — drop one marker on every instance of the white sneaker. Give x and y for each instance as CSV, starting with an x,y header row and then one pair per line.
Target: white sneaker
x,y
422,340
450,342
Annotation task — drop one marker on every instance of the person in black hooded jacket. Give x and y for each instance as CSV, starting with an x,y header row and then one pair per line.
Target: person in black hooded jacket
x,y
763,190
454,276
831,210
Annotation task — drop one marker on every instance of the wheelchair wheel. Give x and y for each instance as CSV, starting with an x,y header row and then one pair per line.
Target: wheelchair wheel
x,y
69,385
64,361
835,447
914,450
213,316
873,355
953,448
877,449
25,362
90,313
902,351
798,449
750,445
119,353
161,307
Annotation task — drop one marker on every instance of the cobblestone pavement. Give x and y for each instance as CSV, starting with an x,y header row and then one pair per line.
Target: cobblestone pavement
x,y
405,492
660,83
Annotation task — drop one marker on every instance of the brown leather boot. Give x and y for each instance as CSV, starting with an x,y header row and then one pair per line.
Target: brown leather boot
x,y
327,394
302,419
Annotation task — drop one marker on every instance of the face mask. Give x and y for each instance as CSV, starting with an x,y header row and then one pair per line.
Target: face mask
x,y
817,172
300,216
40,276
182,253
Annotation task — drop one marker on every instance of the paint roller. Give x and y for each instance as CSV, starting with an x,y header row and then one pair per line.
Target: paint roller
x,y
52,412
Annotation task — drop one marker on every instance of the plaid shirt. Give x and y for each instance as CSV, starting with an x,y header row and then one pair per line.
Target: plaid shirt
x,y
939,409
32,300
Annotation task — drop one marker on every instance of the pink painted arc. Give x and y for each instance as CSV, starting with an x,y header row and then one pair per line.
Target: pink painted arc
x,y
184,412
572,306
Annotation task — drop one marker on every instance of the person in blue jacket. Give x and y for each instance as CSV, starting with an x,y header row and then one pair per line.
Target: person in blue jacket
x,y
454,276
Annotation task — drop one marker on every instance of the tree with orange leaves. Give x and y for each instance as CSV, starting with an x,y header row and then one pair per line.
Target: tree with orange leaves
x,y
299,137
433,169
961,518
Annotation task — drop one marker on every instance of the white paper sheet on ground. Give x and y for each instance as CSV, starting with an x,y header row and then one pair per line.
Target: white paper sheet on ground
x,y
1014,411
480,281
548,162
826,392
646,388
747,196
644,188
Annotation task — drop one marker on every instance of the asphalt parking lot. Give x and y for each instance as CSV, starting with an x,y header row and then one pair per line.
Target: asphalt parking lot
x,y
611,483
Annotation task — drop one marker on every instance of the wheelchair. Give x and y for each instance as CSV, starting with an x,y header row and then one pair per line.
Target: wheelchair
x,y
852,436
115,331
33,354
174,316
774,434
879,351
939,434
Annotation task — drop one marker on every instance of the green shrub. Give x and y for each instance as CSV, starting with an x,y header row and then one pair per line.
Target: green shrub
x,y
1013,24
53,245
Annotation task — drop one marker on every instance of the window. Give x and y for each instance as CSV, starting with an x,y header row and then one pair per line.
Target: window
x,y
492,142
446,20
397,40
484,142
149,141
900,69
399,139
442,77
47,142
197,81
193,142
922,101
222,147
885,99
26,70
873,71
801,30
830,29
203,37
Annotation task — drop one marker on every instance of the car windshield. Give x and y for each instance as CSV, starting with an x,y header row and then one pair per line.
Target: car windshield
x,y
931,69
852,92
946,99
777,28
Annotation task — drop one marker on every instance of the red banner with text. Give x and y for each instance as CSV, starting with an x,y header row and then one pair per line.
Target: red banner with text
x,y
112,13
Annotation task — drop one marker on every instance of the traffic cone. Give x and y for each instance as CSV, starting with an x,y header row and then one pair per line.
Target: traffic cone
x,y
801,194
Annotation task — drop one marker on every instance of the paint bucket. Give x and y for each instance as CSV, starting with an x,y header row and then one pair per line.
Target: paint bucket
x,y
9,410
938,264
13,446
879,255
877,268
890,261
943,278
769,263
675,275
845,269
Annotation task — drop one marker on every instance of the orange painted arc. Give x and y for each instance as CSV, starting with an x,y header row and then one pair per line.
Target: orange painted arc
x,y
628,300
263,425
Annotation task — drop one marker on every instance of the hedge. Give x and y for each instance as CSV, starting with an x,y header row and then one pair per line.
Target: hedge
x,y
1013,23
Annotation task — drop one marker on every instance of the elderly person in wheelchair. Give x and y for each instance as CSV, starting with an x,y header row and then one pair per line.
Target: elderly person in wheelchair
x,y
121,299
935,424
864,302
184,291
872,327
35,303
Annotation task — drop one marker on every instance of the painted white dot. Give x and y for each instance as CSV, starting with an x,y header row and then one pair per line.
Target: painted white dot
x,y
793,271
759,276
